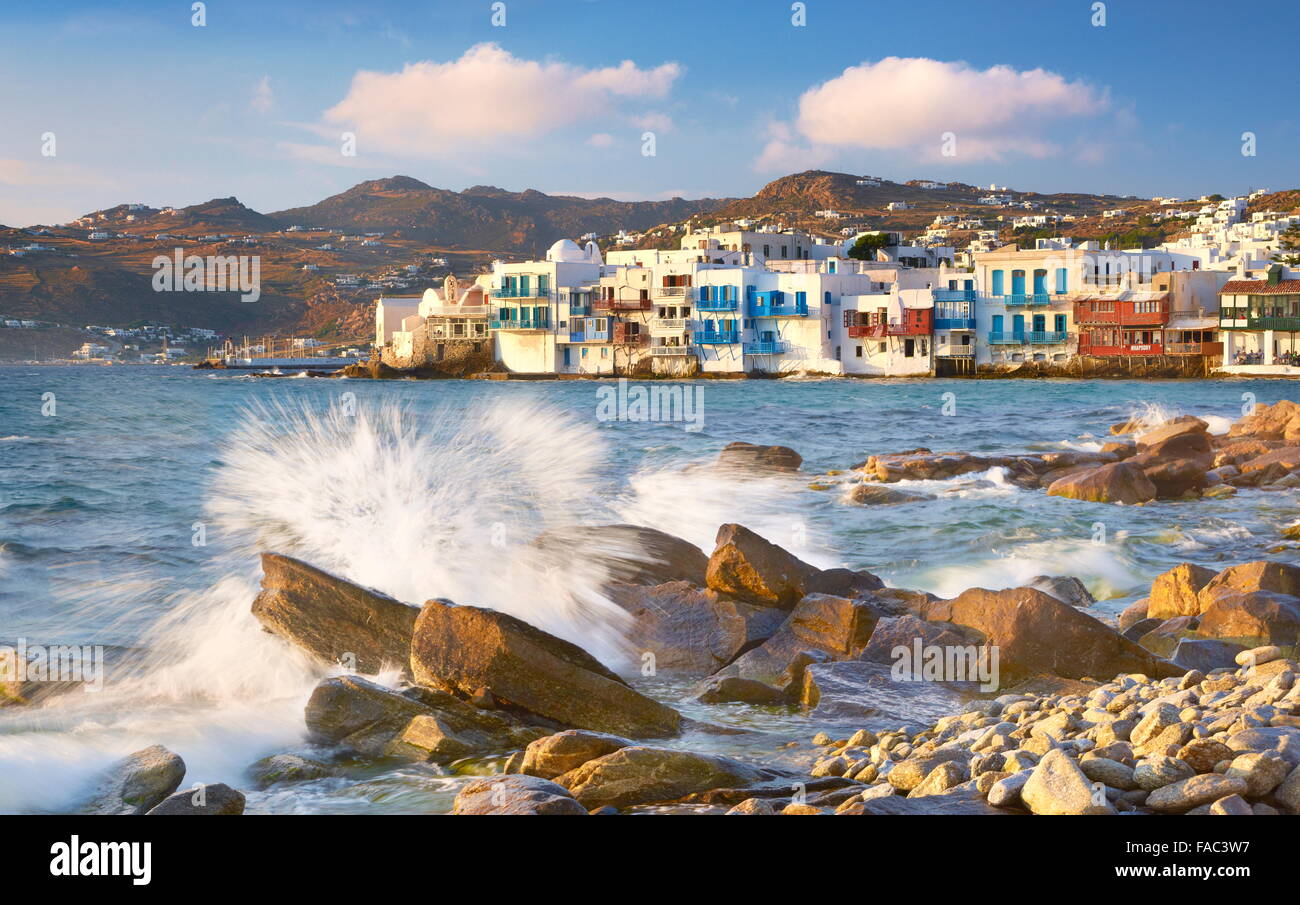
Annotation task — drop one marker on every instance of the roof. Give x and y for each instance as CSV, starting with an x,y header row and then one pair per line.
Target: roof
x,y
1260,287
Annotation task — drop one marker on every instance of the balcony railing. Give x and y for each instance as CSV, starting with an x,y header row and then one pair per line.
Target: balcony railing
x,y
1007,339
1024,300
685,293
498,324
954,323
669,323
768,347
621,304
1202,348
717,305
515,292
460,311
1046,337
670,350
955,295
1273,323
716,337
1121,318
762,308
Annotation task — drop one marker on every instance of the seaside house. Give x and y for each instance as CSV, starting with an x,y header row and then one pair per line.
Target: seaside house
x,y
1259,316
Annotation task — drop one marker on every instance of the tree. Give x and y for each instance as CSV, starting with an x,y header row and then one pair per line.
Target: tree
x,y
1289,253
865,248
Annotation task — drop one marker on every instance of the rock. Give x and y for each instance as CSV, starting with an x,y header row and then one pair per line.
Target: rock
x,y
334,620
279,768
1235,454
214,798
1108,772
1160,771
499,794
1134,613
1064,588
964,799
137,783
632,554
1197,790
1123,449
1205,654
461,649
1036,633
1288,793
723,689
1174,477
1272,466
1162,639
642,774
752,569
1283,741
685,628
945,776
1203,753
1232,806
1251,617
892,632
1175,593
1005,793
556,754
1141,628
747,456
363,716
911,772
1058,786
1118,482
1184,427
753,806
1258,656
1261,575
871,494
1280,421
837,627
1262,772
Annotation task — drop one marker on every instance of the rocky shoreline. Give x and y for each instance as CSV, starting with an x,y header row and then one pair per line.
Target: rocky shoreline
x,y
1189,704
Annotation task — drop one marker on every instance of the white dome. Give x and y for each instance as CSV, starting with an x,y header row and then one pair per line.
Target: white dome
x,y
566,251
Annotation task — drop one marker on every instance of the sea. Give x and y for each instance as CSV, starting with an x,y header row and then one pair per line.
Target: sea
x,y
134,502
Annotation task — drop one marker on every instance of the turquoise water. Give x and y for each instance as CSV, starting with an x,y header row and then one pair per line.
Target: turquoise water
x,y
423,489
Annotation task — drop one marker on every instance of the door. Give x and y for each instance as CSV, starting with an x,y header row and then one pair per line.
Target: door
x,y
568,356
1017,282
1018,324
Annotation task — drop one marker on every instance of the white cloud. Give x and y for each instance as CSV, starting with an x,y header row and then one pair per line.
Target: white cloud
x,y
907,104
601,140
487,97
263,98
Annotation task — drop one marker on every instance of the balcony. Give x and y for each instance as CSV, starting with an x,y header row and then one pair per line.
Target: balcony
x,y
954,323
623,337
682,293
1046,337
588,336
1120,314
716,337
1289,324
459,311
1024,300
769,347
1202,348
658,351
517,292
716,305
954,295
621,304
1007,339
669,324
772,303
499,324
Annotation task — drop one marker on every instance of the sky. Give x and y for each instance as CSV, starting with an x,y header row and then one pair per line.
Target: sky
x,y
282,104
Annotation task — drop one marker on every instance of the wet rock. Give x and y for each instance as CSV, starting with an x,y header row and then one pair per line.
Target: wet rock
x,y
1118,482
753,806
137,783
752,569
1203,788
1261,575
1242,451
332,619
736,689
1184,427
1162,639
868,494
515,795
461,649
1272,466
1205,654
747,456
893,632
279,768
216,798
688,629
632,554
556,754
1252,617
1176,592
964,799
1064,588
1141,628
642,774
1036,633
1133,614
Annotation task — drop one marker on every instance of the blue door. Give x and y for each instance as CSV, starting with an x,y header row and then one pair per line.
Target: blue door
x,y
1018,324
1017,282
567,356
997,323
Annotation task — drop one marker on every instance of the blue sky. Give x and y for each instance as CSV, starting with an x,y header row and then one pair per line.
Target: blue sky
x,y
146,107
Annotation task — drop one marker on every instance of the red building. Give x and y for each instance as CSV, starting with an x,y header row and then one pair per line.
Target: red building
x,y
1122,325
877,325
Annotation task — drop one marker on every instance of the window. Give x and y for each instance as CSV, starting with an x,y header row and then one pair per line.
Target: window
x,y
858,351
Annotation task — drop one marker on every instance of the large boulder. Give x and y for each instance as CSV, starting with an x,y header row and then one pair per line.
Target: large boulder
x,y
334,620
1261,575
515,795
1186,429
642,774
137,783
630,553
216,799
750,568
468,651
836,627
1118,482
1205,654
1271,466
1174,593
1057,786
874,494
747,456
1036,633
1252,617
1280,421
691,630
553,755
418,724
